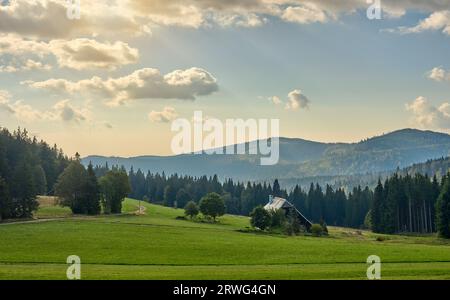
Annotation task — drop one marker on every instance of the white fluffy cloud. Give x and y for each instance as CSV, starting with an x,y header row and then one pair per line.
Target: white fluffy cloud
x,y
439,74
296,100
437,21
61,111
77,54
141,84
427,115
305,14
86,54
166,115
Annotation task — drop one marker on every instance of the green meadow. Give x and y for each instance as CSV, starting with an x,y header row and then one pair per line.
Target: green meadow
x,y
157,245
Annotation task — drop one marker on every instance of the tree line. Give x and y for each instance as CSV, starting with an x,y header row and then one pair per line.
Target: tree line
x,y
28,168
334,206
402,204
81,190
406,204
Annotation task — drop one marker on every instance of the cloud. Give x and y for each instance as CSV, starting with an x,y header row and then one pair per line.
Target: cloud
x,y
166,115
275,100
145,83
438,74
304,14
65,111
87,54
28,65
437,21
296,100
61,111
77,54
252,13
108,125
429,116
48,19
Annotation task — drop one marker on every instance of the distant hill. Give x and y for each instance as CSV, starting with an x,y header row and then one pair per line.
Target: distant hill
x,y
302,158
438,167
432,167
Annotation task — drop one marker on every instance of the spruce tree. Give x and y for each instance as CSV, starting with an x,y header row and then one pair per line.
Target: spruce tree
x,y
92,192
443,211
276,189
377,208
5,204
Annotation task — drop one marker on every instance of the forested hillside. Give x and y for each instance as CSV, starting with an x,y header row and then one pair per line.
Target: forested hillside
x,y
28,167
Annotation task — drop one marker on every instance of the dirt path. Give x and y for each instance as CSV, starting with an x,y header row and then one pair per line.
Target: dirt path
x,y
141,210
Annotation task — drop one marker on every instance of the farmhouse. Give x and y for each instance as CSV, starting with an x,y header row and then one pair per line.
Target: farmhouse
x,y
276,203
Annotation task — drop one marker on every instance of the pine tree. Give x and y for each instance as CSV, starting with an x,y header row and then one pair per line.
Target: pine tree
x,y
443,211
23,191
40,180
276,189
377,208
5,204
92,192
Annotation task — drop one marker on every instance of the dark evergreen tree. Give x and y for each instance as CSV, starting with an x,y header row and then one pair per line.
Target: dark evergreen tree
x,y
443,210
92,192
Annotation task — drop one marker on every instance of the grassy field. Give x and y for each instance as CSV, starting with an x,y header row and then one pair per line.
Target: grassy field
x,y
156,245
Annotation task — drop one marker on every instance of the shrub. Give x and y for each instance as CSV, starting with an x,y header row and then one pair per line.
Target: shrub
x,y
277,218
191,209
316,230
324,227
292,224
260,218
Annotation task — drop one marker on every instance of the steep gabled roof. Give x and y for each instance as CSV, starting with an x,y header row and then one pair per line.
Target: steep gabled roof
x,y
277,203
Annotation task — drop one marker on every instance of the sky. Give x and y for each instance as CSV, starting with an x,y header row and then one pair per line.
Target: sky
x,y
112,81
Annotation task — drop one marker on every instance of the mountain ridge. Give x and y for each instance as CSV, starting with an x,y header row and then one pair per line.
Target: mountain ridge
x,y
300,158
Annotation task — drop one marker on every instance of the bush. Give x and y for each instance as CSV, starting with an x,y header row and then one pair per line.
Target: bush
x,y
260,218
191,209
277,218
292,224
316,230
324,227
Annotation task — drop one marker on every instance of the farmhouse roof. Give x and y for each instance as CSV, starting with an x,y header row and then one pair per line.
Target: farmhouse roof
x,y
276,203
